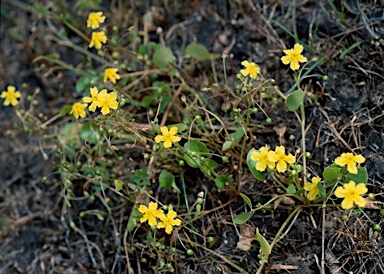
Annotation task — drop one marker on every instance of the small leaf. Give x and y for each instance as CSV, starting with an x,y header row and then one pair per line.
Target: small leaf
x,y
295,100
221,180
118,185
132,221
291,189
83,83
197,51
235,139
40,9
166,179
265,247
360,177
331,173
163,56
246,200
252,167
242,218
321,188
65,110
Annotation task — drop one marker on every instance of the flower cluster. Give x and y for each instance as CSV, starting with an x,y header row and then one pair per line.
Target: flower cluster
x,y
102,99
168,137
11,96
151,214
98,37
272,159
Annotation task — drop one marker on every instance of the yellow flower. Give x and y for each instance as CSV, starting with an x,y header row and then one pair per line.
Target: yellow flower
x,y
250,68
11,96
262,158
351,194
94,99
294,56
349,160
98,37
168,136
111,74
278,156
106,101
168,221
78,110
312,188
150,213
94,19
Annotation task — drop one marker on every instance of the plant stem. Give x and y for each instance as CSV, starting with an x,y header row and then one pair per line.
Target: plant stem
x,y
303,148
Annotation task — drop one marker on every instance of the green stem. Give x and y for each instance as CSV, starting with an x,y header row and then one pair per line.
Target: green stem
x,y
303,143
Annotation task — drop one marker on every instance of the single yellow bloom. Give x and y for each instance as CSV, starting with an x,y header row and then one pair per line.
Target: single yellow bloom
x,y
168,221
312,188
107,101
150,213
94,19
250,68
350,160
262,159
351,194
168,136
11,96
94,99
294,56
278,156
111,74
98,37
78,110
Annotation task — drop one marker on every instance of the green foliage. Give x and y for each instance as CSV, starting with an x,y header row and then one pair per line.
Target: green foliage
x,y
193,150
332,173
197,51
162,57
295,100
360,177
166,179
243,217
264,246
252,167
235,139
221,181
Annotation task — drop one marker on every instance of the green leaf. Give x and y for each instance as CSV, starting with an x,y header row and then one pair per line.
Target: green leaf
x,y
83,83
295,100
320,187
180,127
195,147
360,177
211,164
132,221
331,173
88,4
235,139
89,133
197,51
40,9
291,189
242,218
65,110
118,185
246,200
166,179
252,167
264,245
221,180
163,56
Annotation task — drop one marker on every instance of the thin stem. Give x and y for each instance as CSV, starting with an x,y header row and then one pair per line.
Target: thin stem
x,y
303,143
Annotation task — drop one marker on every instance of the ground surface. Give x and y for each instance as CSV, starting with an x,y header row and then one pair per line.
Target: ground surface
x,y
35,236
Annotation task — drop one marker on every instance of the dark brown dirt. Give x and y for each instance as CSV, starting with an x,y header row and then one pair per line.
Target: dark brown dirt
x,y
35,237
